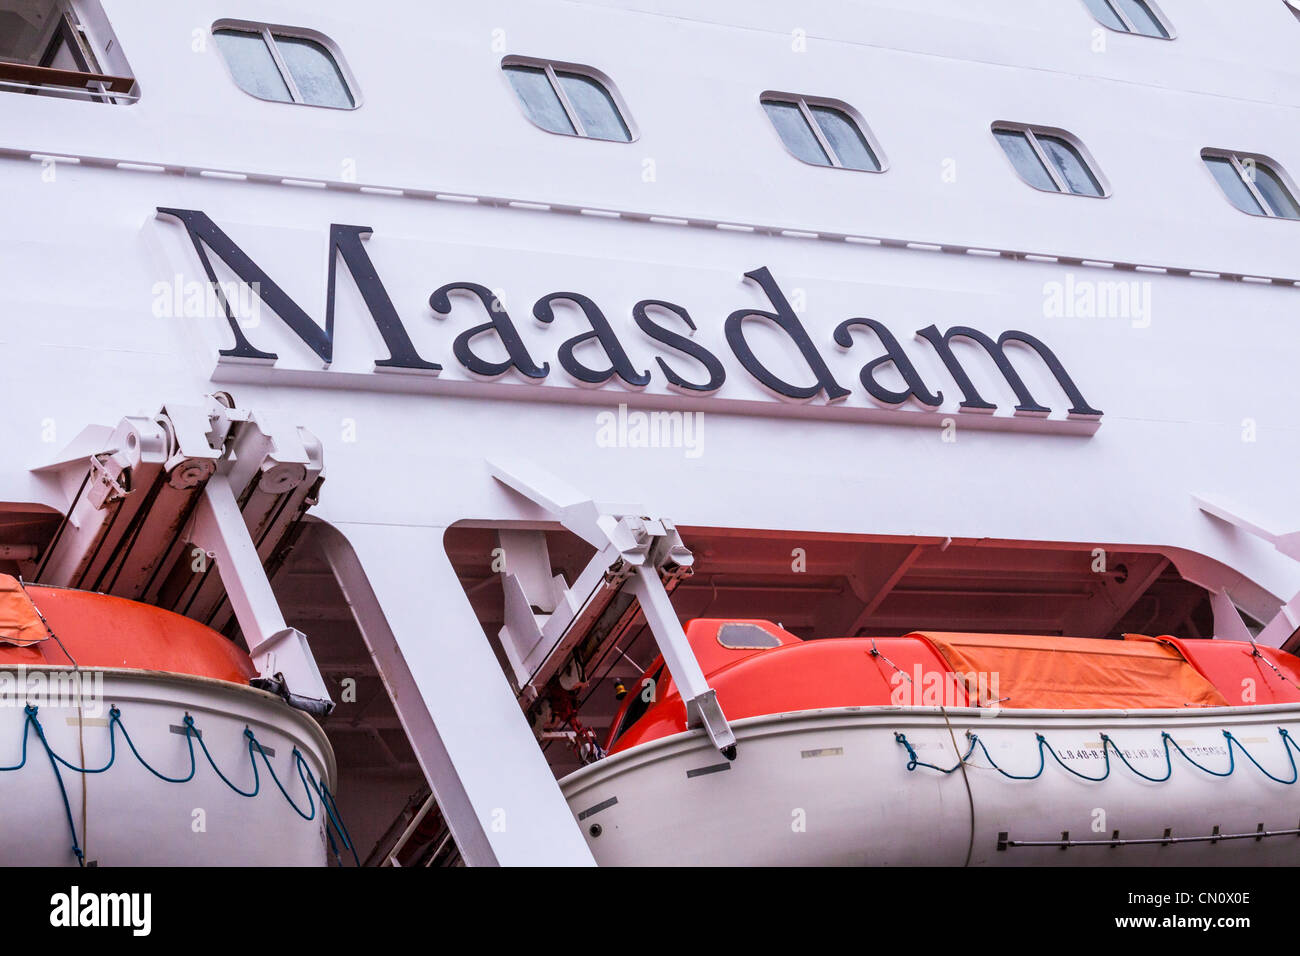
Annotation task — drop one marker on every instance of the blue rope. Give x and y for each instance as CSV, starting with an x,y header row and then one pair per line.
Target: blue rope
x,y
114,721
327,801
1107,745
31,721
310,783
915,762
31,714
310,802
257,782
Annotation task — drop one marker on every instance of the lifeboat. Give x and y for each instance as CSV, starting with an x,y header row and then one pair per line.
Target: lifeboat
x,y
955,749
129,735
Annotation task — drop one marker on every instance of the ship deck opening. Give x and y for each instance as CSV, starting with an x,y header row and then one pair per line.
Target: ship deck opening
x,y
831,586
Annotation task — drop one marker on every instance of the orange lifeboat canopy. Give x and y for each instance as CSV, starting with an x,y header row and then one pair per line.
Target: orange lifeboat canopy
x,y
758,668
98,630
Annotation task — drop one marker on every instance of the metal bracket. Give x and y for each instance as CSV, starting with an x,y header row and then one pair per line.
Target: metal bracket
x,y
1285,625
278,651
140,495
109,479
633,551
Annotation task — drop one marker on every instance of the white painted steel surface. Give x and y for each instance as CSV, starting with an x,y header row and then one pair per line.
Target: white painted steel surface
x,y
82,257
125,816
831,787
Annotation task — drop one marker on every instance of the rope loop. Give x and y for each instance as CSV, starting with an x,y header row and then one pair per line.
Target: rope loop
x,y
1289,746
313,788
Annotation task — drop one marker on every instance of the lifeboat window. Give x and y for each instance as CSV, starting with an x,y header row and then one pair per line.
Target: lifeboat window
x,y
1050,160
569,100
1254,184
1141,17
822,132
284,67
746,637
641,703
53,48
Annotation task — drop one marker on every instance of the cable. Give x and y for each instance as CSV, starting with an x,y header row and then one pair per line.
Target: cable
x,y
961,762
1107,745
311,785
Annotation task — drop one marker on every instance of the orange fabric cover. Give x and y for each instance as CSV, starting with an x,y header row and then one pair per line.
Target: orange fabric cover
x,y
1244,673
19,623
1075,673
98,630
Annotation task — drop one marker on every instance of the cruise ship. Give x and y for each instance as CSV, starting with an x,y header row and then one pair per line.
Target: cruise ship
x,y
640,432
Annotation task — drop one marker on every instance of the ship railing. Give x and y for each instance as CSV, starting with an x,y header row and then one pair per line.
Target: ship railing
x,y
38,79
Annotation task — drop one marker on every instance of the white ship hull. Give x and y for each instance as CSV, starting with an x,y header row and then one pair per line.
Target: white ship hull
x,y
833,787
125,815
815,388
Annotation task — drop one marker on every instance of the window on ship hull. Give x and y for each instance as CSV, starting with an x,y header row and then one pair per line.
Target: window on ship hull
x,y
1254,184
568,99
823,132
285,65
1050,160
1139,17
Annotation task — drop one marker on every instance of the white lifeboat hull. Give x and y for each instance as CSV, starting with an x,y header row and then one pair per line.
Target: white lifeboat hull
x,y
127,816
833,787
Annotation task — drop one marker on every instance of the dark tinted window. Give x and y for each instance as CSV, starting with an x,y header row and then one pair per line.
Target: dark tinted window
x,y
741,636
636,710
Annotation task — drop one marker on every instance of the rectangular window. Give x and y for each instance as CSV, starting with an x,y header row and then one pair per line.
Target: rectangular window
x,y
46,50
822,132
567,100
1049,160
1131,16
1254,184
284,67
